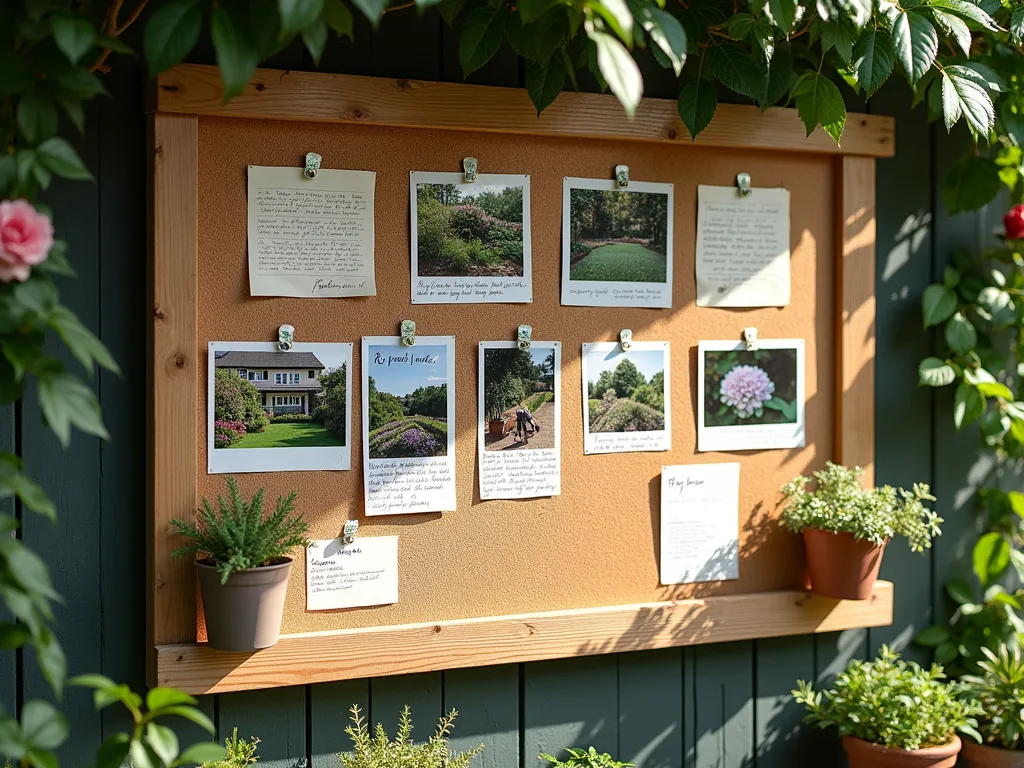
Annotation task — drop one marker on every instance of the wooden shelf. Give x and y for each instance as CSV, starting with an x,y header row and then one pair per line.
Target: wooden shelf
x,y
379,651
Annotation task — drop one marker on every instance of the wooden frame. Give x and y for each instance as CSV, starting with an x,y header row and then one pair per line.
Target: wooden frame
x,y
189,92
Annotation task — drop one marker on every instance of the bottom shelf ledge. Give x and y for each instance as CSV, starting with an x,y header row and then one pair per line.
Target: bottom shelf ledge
x,y
378,651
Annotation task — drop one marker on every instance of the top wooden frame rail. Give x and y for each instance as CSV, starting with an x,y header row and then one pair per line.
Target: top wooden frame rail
x,y
316,97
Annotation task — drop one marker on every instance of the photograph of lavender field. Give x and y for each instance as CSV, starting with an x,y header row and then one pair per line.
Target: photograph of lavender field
x,y
408,402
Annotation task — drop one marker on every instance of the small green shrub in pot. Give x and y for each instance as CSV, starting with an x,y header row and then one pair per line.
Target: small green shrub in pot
x,y
888,708
586,758
999,690
376,750
243,566
239,753
846,526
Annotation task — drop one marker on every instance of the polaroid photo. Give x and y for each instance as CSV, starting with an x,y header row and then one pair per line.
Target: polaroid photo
x,y
750,400
274,411
627,404
470,241
519,400
408,425
616,243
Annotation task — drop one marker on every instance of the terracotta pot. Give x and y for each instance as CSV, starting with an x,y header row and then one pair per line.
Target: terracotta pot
x,y
841,566
864,754
978,756
497,426
245,613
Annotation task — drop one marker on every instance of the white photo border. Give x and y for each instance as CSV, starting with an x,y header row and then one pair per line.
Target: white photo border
x,y
509,295
661,440
663,299
242,460
754,437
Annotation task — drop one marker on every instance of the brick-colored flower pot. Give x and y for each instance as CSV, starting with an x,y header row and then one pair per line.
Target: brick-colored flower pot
x,y
496,426
841,566
978,756
245,613
864,754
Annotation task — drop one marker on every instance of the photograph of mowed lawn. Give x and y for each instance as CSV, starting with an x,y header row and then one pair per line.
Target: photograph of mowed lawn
x,y
617,235
280,399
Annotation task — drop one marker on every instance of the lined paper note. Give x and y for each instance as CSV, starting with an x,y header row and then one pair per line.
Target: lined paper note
x,y
742,247
362,573
310,237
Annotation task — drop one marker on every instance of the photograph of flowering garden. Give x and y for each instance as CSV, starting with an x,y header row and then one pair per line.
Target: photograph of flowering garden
x,y
619,236
408,402
744,387
625,390
475,233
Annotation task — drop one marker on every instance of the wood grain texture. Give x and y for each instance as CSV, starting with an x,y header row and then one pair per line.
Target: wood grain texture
x,y
855,327
171,418
307,96
348,654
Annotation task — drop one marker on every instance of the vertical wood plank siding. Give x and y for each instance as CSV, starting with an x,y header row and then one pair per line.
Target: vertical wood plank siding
x,y
712,706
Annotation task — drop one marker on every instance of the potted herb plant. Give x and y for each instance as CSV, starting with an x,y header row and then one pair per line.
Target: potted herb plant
x,y
893,713
845,527
375,750
999,689
586,758
243,566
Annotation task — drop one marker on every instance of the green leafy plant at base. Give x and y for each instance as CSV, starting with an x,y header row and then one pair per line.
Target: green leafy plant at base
x,y
586,758
999,689
892,702
237,536
376,750
840,504
239,753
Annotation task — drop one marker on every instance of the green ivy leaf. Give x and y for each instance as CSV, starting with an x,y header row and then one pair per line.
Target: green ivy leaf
x,y
960,334
697,104
967,11
960,591
204,752
835,34
73,36
736,70
617,16
946,652
67,402
953,27
113,751
990,557
818,100
963,96
872,59
544,81
530,10
52,661
539,40
776,84
236,58
76,84
59,157
994,426
171,32
42,726
37,116
482,32
933,372
667,34
916,43
968,405
296,15
783,13
339,18
995,389
984,76
315,38
86,348
1017,25
932,636
971,183
619,69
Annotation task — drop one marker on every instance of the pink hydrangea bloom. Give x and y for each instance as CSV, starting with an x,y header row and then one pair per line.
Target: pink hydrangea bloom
x,y
26,237
746,388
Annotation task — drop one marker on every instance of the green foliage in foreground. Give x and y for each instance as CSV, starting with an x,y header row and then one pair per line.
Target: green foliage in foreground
x,y
840,504
586,758
892,702
236,536
999,689
376,750
239,753
621,262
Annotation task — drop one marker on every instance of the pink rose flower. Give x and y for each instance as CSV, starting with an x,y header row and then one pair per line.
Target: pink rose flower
x,y
26,237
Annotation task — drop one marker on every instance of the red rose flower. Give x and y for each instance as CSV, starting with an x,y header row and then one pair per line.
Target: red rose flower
x,y
1013,221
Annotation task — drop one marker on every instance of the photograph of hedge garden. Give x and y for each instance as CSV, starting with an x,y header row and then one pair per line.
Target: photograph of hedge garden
x,y
618,236
408,405
626,391
460,234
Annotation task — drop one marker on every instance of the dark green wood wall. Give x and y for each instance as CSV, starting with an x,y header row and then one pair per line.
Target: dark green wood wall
x,y
713,706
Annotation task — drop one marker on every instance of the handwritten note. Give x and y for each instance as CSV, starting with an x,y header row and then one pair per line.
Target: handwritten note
x,y
403,486
699,523
311,238
742,248
351,575
450,290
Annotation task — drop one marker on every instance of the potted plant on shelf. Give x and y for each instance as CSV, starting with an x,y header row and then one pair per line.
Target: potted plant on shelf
x,y
845,527
999,689
893,713
243,566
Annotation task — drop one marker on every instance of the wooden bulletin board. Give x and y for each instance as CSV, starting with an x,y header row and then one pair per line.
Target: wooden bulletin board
x,y
500,581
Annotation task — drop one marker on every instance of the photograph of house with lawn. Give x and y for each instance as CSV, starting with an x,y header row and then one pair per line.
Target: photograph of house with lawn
x,y
618,235
473,230
407,401
272,399
515,380
625,390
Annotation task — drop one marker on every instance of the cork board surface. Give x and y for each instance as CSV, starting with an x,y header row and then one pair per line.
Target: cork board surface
x,y
596,544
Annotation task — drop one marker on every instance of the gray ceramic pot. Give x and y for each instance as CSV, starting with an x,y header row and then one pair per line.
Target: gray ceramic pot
x,y
245,613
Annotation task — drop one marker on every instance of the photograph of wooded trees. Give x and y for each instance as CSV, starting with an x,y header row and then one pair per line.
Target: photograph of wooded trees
x,y
618,236
626,392
408,407
461,234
